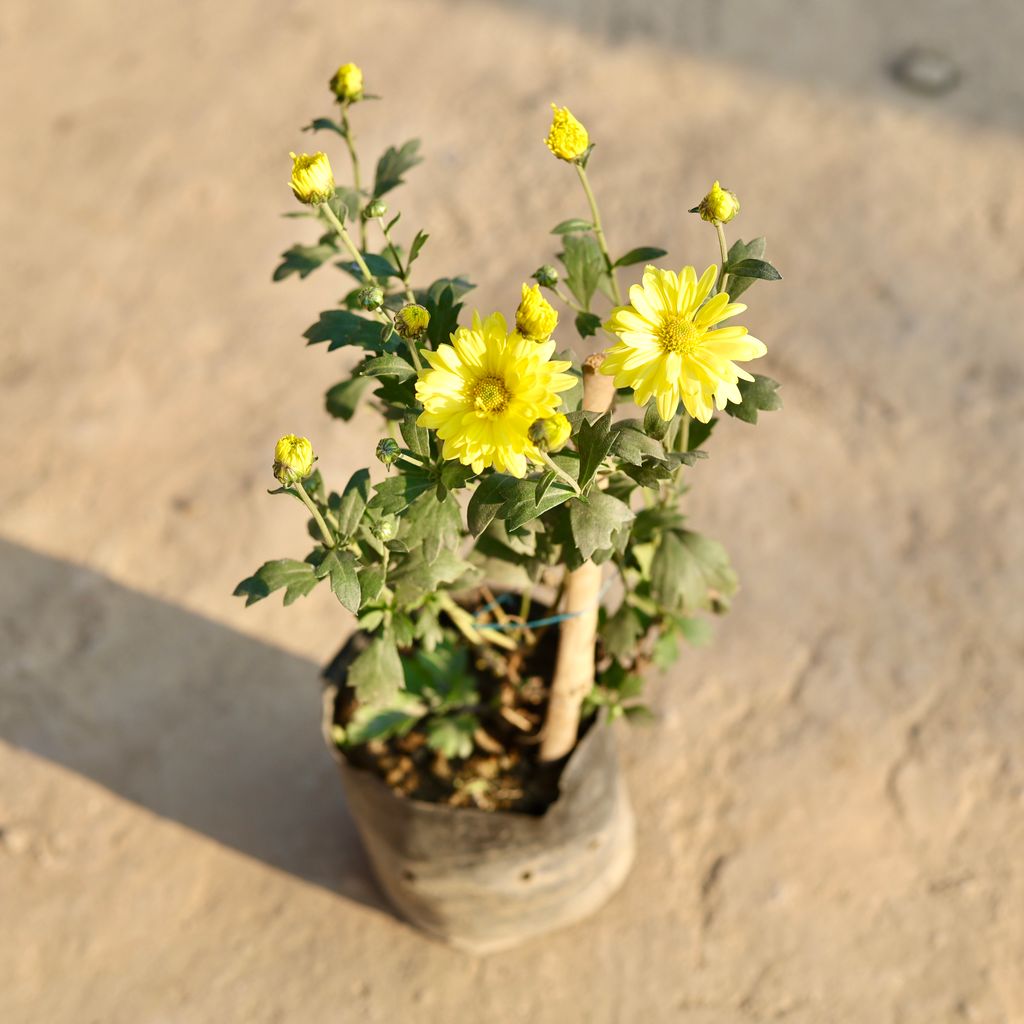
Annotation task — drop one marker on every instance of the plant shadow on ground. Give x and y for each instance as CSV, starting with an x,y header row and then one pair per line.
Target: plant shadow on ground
x,y
188,718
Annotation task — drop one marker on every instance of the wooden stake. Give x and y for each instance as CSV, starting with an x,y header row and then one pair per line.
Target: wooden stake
x,y
574,665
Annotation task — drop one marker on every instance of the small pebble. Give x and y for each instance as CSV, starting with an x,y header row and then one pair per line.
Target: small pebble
x,y
926,71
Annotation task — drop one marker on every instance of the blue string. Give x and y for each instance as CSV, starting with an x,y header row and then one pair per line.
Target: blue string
x,y
550,620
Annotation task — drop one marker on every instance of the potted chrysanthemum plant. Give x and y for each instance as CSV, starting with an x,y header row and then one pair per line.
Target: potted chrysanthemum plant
x,y
518,560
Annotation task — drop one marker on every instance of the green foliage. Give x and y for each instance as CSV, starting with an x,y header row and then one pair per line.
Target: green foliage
x,y
343,399
297,579
584,266
643,254
759,395
393,166
376,675
341,327
304,259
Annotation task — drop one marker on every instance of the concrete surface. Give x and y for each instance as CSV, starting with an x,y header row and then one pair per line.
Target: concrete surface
x,y
831,811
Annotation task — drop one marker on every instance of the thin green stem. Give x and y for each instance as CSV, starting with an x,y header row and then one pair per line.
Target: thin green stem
x,y
724,246
565,298
329,540
599,232
559,472
351,143
402,271
349,244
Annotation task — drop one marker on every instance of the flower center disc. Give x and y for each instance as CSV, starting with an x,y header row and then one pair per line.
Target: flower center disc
x,y
489,394
678,334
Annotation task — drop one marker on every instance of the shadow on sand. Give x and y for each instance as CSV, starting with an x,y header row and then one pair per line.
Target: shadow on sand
x,y
188,718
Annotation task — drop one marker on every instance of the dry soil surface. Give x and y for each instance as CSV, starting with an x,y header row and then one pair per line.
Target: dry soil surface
x,y
830,805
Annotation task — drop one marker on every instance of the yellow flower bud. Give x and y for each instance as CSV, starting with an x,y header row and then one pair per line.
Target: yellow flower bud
x,y
567,138
536,318
719,204
293,459
412,321
347,83
312,180
551,434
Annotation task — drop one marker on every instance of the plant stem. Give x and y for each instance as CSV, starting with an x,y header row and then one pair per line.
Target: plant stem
x,y
565,298
559,472
599,232
409,343
402,271
351,143
349,244
724,247
329,540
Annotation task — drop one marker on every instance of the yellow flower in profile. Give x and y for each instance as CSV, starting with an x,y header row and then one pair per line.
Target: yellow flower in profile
x,y
484,391
536,318
347,83
293,459
567,138
719,204
312,178
669,348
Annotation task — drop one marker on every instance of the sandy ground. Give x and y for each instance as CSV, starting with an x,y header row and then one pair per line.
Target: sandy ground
x,y
831,805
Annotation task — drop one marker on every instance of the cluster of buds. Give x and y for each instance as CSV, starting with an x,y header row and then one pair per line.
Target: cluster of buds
x,y
293,459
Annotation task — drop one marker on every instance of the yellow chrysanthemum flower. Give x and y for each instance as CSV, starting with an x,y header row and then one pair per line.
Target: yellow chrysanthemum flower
x,y
347,83
536,318
567,138
484,391
293,459
668,349
312,178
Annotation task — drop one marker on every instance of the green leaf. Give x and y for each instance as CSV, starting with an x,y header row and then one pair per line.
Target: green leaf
x,y
418,576
594,441
632,444
397,493
596,520
699,433
654,425
642,254
432,525
760,394
690,571
444,314
393,165
414,250
340,328
346,203
352,503
380,266
584,266
324,124
572,226
372,723
376,675
387,365
297,578
740,251
454,476
341,400
417,438
524,505
452,735
762,270
304,259
371,583
486,502
341,567
622,632
587,324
